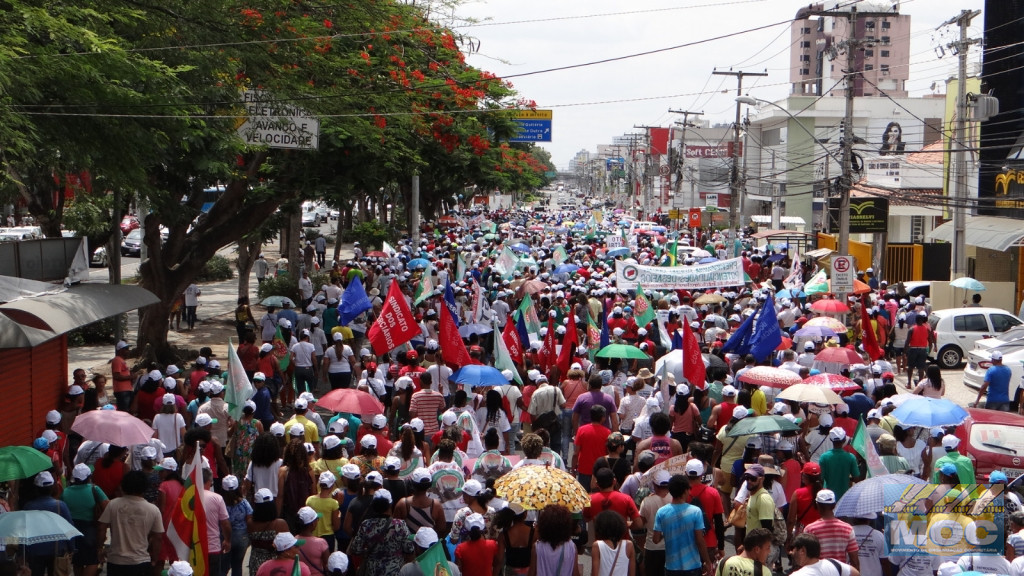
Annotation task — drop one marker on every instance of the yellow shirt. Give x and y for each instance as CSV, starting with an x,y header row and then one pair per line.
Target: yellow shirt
x,y
759,403
312,434
325,507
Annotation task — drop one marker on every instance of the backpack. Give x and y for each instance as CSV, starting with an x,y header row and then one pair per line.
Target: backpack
x,y
779,531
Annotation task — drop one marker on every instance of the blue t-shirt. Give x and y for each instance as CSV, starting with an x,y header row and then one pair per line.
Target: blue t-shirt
x,y
998,378
237,514
677,523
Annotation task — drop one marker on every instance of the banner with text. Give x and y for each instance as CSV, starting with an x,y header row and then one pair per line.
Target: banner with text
x,y
714,275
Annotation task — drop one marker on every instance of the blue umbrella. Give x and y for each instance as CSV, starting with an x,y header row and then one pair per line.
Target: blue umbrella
x,y
476,375
467,330
520,247
787,293
567,269
707,260
929,412
580,225
867,498
418,263
775,258
967,283
621,251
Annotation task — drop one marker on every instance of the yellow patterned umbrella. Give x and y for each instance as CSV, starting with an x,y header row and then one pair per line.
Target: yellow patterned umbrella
x,y
534,487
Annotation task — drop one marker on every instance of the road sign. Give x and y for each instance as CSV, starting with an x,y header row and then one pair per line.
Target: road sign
x,y
673,214
277,124
843,274
534,126
694,219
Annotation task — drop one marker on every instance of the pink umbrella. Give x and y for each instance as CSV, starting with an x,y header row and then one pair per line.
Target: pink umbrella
x,y
830,306
827,322
770,376
839,355
112,427
834,382
352,401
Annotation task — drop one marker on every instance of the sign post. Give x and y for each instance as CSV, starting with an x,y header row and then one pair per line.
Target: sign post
x,y
277,125
534,126
843,274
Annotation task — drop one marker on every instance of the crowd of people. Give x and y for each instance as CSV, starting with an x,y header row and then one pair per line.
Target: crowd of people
x,y
671,491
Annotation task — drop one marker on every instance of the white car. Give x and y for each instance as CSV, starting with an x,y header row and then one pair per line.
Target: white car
x,y
958,329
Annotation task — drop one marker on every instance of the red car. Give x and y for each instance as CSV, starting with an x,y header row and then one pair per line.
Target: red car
x,y
993,440
129,223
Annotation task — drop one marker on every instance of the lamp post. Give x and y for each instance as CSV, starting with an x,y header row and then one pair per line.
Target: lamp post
x,y
845,205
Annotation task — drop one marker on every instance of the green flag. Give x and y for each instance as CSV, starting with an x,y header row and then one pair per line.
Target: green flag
x,y
529,315
281,351
559,255
643,313
433,561
671,249
866,448
424,289
460,268
502,357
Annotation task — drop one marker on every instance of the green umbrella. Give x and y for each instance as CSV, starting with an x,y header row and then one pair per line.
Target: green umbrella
x,y
762,425
622,351
17,462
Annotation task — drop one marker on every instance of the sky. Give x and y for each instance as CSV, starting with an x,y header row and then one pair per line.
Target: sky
x,y
516,39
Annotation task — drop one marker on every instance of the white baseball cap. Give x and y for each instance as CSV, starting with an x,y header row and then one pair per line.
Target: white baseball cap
x,y
75,390
53,417
339,426
740,412
331,442
694,467
169,464
382,494
837,434
374,478
277,429
421,476
825,420
448,418
204,420
996,355
43,479
229,482
263,495
351,472
120,345
284,541
380,422
392,464
472,487
297,430
425,537
216,388
338,561
327,478
729,390
950,442
661,478
825,497
80,472
307,515
168,399
475,520
416,424
300,404
368,441
180,568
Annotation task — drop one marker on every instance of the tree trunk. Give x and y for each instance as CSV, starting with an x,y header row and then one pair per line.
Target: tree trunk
x,y
294,247
248,251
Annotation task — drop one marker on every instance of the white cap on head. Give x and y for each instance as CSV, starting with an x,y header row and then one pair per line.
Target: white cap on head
x,y
694,467
43,479
53,417
950,442
374,478
740,412
837,434
284,540
380,422
169,464
168,399
351,472
996,355
339,426
421,476
472,487
307,515
203,420
263,495
180,568
382,494
825,496
368,441
229,482
297,430
338,561
425,537
661,478
825,420
331,442
277,429
301,404
729,390
476,520
75,390
80,472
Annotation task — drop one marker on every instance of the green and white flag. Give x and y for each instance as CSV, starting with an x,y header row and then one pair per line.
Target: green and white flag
x,y
424,289
460,268
559,255
502,357
642,311
506,263
529,316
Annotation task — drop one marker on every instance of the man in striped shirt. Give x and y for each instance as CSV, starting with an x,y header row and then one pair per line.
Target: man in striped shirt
x,y
427,405
835,536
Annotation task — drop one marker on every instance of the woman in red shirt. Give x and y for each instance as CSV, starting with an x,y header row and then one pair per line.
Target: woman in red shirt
x,y
109,471
802,510
477,555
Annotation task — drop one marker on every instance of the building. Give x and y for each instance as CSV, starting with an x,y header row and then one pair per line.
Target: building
x,y
815,65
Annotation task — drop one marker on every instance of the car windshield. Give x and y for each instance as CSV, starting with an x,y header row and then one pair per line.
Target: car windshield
x,y
997,438
135,234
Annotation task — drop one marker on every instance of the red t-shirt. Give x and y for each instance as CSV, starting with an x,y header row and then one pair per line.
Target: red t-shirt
x,y
477,556
118,367
249,354
590,440
711,503
528,391
460,445
615,501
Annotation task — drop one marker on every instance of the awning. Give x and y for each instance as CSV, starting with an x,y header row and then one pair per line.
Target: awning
x,y
990,232
41,317
784,220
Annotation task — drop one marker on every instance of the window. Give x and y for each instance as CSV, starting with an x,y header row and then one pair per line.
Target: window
x,y
869,53
885,53
885,39
1003,322
805,30
970,323
886,24
870,24
885,69
805,71
805,44
869,67
805,57
869,93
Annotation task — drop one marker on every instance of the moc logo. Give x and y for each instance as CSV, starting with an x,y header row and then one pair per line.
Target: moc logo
x,y
944,520
630,273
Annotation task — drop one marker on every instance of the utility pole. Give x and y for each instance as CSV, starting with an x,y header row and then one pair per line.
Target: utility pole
x,y
962,47
737,186
679,166
846,182
649,170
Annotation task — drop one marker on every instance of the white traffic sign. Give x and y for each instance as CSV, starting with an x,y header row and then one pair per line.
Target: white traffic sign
x,y
277,124
843,274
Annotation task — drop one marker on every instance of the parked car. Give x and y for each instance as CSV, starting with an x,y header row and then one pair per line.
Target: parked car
x,y
958,329
99,258
129,223
311,219
132,243
917,288
993,441
979,360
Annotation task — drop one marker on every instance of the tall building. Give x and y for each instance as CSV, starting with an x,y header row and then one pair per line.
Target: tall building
x,y
883,57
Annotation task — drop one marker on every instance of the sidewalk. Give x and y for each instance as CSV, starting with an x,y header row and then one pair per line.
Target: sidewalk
x,y
215,322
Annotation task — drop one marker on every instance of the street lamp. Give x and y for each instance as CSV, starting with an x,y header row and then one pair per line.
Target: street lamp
x,y
844,207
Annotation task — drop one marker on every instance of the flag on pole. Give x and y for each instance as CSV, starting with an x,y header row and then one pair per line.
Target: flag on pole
x,y
281,350
693,362
548,356
460,268
388,249
513,342
187,529
452,348
643,313
593,334
524,334
671,252
605,338
239,389
868,338
866,448
529,313
449,303
739,342
433,562
767,335
559,255
353,302
424,289
569,343
502,354
395,326
478,301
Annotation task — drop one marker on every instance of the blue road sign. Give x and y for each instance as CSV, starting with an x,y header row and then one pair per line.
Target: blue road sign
x,y
533,130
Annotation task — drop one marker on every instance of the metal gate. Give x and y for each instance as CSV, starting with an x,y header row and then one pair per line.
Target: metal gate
x,y
903,262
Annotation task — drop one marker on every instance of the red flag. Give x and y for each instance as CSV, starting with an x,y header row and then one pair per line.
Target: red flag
x,y
512,341
187,528
547,357
569,344
396,324
693,363
659,140
868,338
452,348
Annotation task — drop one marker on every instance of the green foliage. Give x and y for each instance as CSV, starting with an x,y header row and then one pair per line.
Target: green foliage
x,y
101,332
370,235
217,268
279,286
